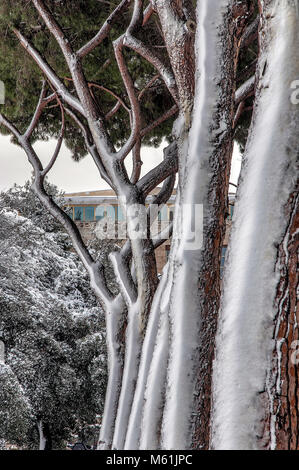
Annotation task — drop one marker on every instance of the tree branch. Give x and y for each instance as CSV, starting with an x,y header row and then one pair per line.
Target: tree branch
x,y
38,111
153,178
250,34
92,113
107,90
147,86
168,114
162,236
245,90
55,81
97,279
137,163
238,114
90,146
164,71
104,31
124,278
59,141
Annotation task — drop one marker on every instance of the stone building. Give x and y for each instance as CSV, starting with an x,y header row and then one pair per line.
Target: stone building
x,y
98,211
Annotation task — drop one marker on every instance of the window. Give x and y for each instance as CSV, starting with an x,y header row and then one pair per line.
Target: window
x,y
167,251
89,214
231,211
162,214
223,253
79,213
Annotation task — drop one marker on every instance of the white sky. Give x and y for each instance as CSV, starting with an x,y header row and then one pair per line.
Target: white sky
x,y
68,175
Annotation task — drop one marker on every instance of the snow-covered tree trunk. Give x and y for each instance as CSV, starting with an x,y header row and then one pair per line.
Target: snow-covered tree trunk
x,y
45,441
282,398
203,184
255,379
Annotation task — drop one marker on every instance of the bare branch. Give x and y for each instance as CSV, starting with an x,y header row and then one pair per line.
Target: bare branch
x,y
112,111
153,178
50,74
104,31
53,27
245,90
164,71
168,114
137,163
238,114
147,86
6,123
162,236
135,114
123,275
38,111
147,14
94,269
90,146
95,120
107,90
59,141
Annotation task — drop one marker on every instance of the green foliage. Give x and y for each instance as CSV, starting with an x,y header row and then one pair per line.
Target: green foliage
x,y
16,417
80,21
52,328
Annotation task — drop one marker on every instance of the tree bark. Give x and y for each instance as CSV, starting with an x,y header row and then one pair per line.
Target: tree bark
x,y
204,168
45,439
282,403
255,384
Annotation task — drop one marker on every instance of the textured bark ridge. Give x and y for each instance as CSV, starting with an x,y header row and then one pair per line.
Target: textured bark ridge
x,y
204,167
255,380
282,399
230,32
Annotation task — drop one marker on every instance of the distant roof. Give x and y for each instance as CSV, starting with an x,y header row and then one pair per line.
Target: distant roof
x,y
105,193
108,196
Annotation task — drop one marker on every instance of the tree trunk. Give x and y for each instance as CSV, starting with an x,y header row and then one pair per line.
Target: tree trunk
x,y
204,169
255,384
45,439
282,399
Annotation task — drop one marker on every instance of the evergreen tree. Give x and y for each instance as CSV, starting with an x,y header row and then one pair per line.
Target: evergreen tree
x,y
54,375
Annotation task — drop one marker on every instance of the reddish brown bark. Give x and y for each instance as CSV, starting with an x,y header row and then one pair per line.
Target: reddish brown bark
x,y
282,397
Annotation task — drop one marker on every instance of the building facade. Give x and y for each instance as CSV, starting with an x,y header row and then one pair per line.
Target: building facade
x,y
95,212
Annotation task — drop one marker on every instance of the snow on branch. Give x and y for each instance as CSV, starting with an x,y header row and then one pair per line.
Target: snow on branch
x,y
164,71
97,278
245,90
135,114
153,178
126,284
55,81
250,34
90,146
